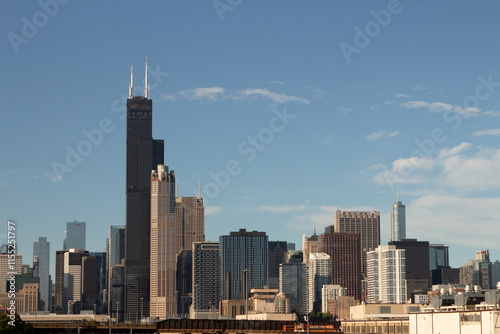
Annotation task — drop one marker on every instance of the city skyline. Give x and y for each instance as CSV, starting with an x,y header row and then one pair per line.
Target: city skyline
x,y
356,124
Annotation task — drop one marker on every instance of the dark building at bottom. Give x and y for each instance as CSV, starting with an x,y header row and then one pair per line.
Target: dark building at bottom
x,y
345,254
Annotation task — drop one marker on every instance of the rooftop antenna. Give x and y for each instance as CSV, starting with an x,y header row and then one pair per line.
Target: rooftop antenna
x,y
397,187
146,86
131,84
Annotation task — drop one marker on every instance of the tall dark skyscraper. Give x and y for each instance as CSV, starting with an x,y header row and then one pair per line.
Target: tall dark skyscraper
x,y
143,155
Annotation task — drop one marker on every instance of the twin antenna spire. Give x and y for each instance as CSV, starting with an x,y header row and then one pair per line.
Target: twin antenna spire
x,y
131,84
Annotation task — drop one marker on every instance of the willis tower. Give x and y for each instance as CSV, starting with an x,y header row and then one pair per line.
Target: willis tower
x,y
143,155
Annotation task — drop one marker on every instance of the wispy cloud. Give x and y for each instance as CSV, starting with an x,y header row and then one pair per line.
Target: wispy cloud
x,y
419,87
213,94
262,92
492,132
492,113
390,102
344,110
318,93
441,106
399,96
283,208
12,171
210,94
382,134
212,210
277,82
374,107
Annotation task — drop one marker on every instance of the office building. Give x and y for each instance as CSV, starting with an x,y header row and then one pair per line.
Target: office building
x,y
386,275
91,283
418,275
319,274
41,254
309,245
163,299
495,273
294,284
345,257
102,281
366,224
117,299
115,250
190,219
277,255
9,265
74,276
438,257
59,286
477,272
75,235
184,281
331,292
398,220
206,280
143,155
240,251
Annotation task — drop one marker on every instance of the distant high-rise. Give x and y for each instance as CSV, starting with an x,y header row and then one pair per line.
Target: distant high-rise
x,y
143,155
8,268
190,222
75,235
345,257
239,251
319,274
309,245
386,275
293,282
73,279
41,250
115,250
184,281
59,286
438,257
366,224
102,281
418,275
398,220
206,278
163,299
277,255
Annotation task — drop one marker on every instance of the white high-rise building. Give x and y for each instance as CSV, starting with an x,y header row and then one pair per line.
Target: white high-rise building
x,y
386,275
319,267
398,220
331,292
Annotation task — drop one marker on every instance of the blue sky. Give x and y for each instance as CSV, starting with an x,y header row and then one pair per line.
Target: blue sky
x,y
312,107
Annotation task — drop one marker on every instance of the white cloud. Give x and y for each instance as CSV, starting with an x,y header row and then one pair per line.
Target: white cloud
x,y
492,132
390,102
456,220
492,113
212,210
402,95
210,94
344,110
419,87
276,82
374,107
262,92
318,93
379,134
440,106
283,208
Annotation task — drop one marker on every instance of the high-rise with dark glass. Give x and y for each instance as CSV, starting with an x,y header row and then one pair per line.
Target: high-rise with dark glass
x,y
41,251
143,155
240,251
75,235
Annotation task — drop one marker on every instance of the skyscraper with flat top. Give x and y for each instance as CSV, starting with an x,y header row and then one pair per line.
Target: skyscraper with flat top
x,y
75,235
366,224
41,250
143,155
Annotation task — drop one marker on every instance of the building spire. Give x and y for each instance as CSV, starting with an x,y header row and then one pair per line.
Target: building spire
x,y
131,84
199,188
146,86
397,199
